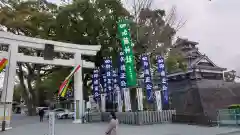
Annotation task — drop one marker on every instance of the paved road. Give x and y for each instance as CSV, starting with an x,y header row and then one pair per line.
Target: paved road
x,y
31,126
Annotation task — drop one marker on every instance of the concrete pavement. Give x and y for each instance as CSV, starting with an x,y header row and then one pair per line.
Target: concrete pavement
x,y
32,126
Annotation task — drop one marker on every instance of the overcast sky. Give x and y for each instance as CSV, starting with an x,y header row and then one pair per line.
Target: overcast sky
x,y
214,24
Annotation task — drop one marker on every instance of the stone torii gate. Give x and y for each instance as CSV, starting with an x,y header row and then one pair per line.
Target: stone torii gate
x,y
13,56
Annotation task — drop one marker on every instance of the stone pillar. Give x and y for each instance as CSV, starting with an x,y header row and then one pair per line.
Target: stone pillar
x,y
127,100
119,100
158,100
78,91
103,102
140,99
9,78
9,81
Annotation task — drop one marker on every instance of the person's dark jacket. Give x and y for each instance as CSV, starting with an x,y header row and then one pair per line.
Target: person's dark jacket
x,y
41,112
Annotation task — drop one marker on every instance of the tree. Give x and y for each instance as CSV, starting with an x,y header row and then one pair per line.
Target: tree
x,y
153,31
91,22
81,22
51,83
230,76
35,19
79,25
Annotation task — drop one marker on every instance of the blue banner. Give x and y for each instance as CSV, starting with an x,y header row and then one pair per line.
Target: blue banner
x,y
103,79
147,78
104,83
109,77
115,84
122,74
95,83
161,70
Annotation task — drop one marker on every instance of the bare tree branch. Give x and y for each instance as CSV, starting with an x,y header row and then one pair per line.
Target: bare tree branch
x,y
155,30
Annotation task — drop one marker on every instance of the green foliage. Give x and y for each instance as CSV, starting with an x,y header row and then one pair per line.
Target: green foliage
x,y
152,34
175,62
86,22
30,18
230,76
82,22
35,19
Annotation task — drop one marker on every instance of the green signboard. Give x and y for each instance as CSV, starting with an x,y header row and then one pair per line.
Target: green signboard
x,y
123,29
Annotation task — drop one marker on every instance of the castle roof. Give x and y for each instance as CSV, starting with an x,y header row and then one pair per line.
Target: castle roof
x,y
183,41
194,58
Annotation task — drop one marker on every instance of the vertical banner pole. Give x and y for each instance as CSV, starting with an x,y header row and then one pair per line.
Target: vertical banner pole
x,y
158,100
140,99
104,88
127,100
103,102
51,123
119,100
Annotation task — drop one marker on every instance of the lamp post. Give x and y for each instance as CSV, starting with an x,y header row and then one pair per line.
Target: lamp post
x,y
5,89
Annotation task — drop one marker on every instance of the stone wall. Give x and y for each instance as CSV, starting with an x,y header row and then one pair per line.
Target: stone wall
x,y
203,97
217,94
184,97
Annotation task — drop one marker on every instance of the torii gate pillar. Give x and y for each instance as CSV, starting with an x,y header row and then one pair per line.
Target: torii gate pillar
x,y
8,85
9,80
78,92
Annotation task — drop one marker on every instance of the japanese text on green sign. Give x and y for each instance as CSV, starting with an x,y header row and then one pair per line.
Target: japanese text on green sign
x,y
128,53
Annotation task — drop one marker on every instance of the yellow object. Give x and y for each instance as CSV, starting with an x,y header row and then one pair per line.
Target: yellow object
x,y
234,106
8,118
65,89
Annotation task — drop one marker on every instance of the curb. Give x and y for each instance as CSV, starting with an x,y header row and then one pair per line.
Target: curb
x,y
6,129
229,133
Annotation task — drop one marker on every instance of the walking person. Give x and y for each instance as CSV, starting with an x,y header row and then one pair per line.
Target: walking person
x,y
41,114
113,124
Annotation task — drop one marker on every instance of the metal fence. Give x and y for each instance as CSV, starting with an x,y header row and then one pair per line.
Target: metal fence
x,y
228,117
93,117
135,118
